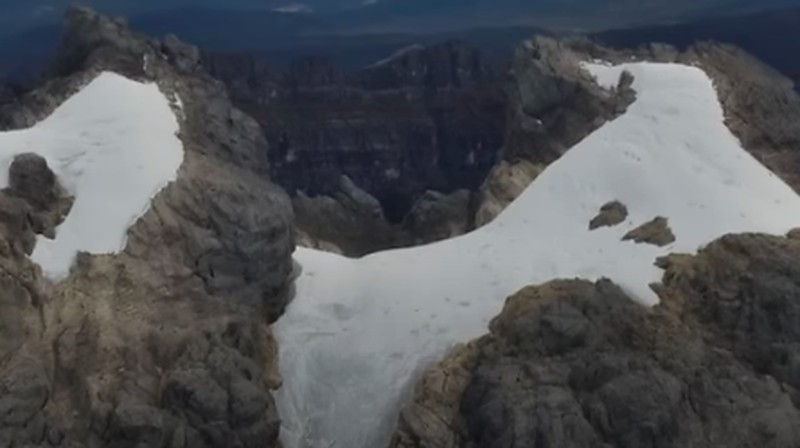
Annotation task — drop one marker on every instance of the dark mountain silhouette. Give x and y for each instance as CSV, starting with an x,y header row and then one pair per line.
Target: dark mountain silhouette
x,y
282,37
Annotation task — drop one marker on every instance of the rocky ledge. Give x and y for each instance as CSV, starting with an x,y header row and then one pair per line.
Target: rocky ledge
x,y
572,363
166,344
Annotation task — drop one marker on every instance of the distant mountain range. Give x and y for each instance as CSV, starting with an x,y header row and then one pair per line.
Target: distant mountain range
x,y
382,16
563,15
357,35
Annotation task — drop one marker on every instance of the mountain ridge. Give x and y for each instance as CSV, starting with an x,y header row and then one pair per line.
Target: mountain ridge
x,y
169,341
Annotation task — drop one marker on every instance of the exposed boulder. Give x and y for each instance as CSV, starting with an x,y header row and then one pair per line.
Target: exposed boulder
x,y
611,214
166,344
656,232
30,179
554,102
571,363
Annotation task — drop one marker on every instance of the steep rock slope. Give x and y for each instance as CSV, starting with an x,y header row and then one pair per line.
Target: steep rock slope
x,y
423,119
669,155
163,340
571,363
553,104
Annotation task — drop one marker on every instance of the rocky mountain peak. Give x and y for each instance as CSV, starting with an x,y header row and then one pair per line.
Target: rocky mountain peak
x,y
165,342
86,33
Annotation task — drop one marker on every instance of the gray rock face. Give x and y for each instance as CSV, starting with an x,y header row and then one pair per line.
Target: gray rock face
x,y
426,119
166,344
759,105
30,179
576,364
554,102
436,216
553,105
17,225
351,222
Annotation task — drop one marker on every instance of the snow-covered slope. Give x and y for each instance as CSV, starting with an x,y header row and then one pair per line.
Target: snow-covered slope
x,y
113,146
360,330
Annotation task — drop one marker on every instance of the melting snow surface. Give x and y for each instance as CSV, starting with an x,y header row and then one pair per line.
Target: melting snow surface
x,y
113,146
359,331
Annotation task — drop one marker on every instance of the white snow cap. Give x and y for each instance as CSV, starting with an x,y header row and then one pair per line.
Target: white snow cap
x,y
359,331
114,145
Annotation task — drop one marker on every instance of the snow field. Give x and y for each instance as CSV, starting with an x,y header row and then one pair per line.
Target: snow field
x,y
113,146
359,332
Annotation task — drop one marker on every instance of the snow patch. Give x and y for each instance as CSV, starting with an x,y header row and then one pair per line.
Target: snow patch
x,y
114,145
359,331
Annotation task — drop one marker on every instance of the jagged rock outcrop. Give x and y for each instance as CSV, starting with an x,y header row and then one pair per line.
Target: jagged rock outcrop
x,y
30,179
166,344
571,363
553,105
351,222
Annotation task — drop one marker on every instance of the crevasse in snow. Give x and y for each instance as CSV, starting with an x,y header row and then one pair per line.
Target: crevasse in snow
x,y
114,146
359,331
